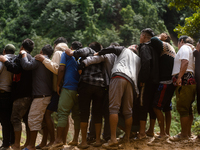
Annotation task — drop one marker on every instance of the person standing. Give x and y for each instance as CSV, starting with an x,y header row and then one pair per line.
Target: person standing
x,y
165,90
148,81
183,78
21,92
5,98
42,91
53,66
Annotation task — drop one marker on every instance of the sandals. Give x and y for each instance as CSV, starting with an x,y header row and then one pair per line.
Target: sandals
x,y
73,143
139,137
177,138
83,146
110,144
97,144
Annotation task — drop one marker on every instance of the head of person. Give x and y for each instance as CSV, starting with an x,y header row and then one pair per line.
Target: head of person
x,y
183,40
114,44
134,48
146,35
76,45
27,45
59,40
9,49
47,50
95,46
165,37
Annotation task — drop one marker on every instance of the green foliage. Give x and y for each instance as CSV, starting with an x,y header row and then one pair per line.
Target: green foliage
x,y
180,4
191,27
192,24
104,21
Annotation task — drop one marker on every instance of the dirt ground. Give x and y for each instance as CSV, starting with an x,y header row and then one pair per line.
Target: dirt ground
x,y
147,144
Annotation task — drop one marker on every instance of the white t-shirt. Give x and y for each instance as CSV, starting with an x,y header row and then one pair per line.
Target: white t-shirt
x,y
185,52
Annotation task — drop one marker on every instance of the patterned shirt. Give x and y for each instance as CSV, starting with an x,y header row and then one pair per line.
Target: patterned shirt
x,y
92,74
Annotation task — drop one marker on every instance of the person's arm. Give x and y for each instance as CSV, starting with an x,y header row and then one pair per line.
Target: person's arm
x,y
13,66
157,44
111,49
28,65
184,53
52,64
61,73
145,70
93,60
83,52
184,65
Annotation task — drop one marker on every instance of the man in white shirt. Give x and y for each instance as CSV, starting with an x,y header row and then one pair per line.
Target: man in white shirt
x,y
183,78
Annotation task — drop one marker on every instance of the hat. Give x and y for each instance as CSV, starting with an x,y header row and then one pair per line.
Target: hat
x,y
10,47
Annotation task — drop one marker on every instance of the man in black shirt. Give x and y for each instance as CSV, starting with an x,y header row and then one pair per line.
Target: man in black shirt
x,y
21,91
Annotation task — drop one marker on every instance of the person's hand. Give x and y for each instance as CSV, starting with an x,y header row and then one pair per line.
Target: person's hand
x,y
96,54
68,51
191,46
179,82
198,47
58,90
80,72
3,58
39,57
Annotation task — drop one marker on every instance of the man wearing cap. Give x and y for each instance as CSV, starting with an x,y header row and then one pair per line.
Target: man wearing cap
x,y
21,91
5,98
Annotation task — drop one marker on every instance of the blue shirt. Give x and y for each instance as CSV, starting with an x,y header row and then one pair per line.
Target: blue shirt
x,y
71,77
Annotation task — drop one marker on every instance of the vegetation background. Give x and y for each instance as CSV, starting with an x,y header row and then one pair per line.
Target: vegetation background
x,y
104,21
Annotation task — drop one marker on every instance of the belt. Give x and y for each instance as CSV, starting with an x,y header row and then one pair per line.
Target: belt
x,y
40,96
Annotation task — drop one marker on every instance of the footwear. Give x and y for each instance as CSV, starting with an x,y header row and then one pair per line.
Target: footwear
x,y
162,138
83,146
4,148
90,140
97,144
139,137
56,145
38,147
110,144
177,138
73,143
46,147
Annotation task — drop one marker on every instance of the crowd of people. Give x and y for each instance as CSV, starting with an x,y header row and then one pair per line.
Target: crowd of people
x,y
121,85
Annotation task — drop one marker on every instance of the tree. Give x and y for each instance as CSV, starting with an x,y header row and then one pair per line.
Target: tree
x,y
192,24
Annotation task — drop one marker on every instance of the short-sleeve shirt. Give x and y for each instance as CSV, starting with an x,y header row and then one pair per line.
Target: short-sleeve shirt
x,y
185,52
71,77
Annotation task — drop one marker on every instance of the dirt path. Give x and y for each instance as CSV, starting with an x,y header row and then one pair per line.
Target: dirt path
x,y
147,144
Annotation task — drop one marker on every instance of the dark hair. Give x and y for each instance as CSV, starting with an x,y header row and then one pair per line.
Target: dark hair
x,y
60,40
199,40
186,39
148,32
47,50
10,49
114,44
95,46
76,45
168,38
28,45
